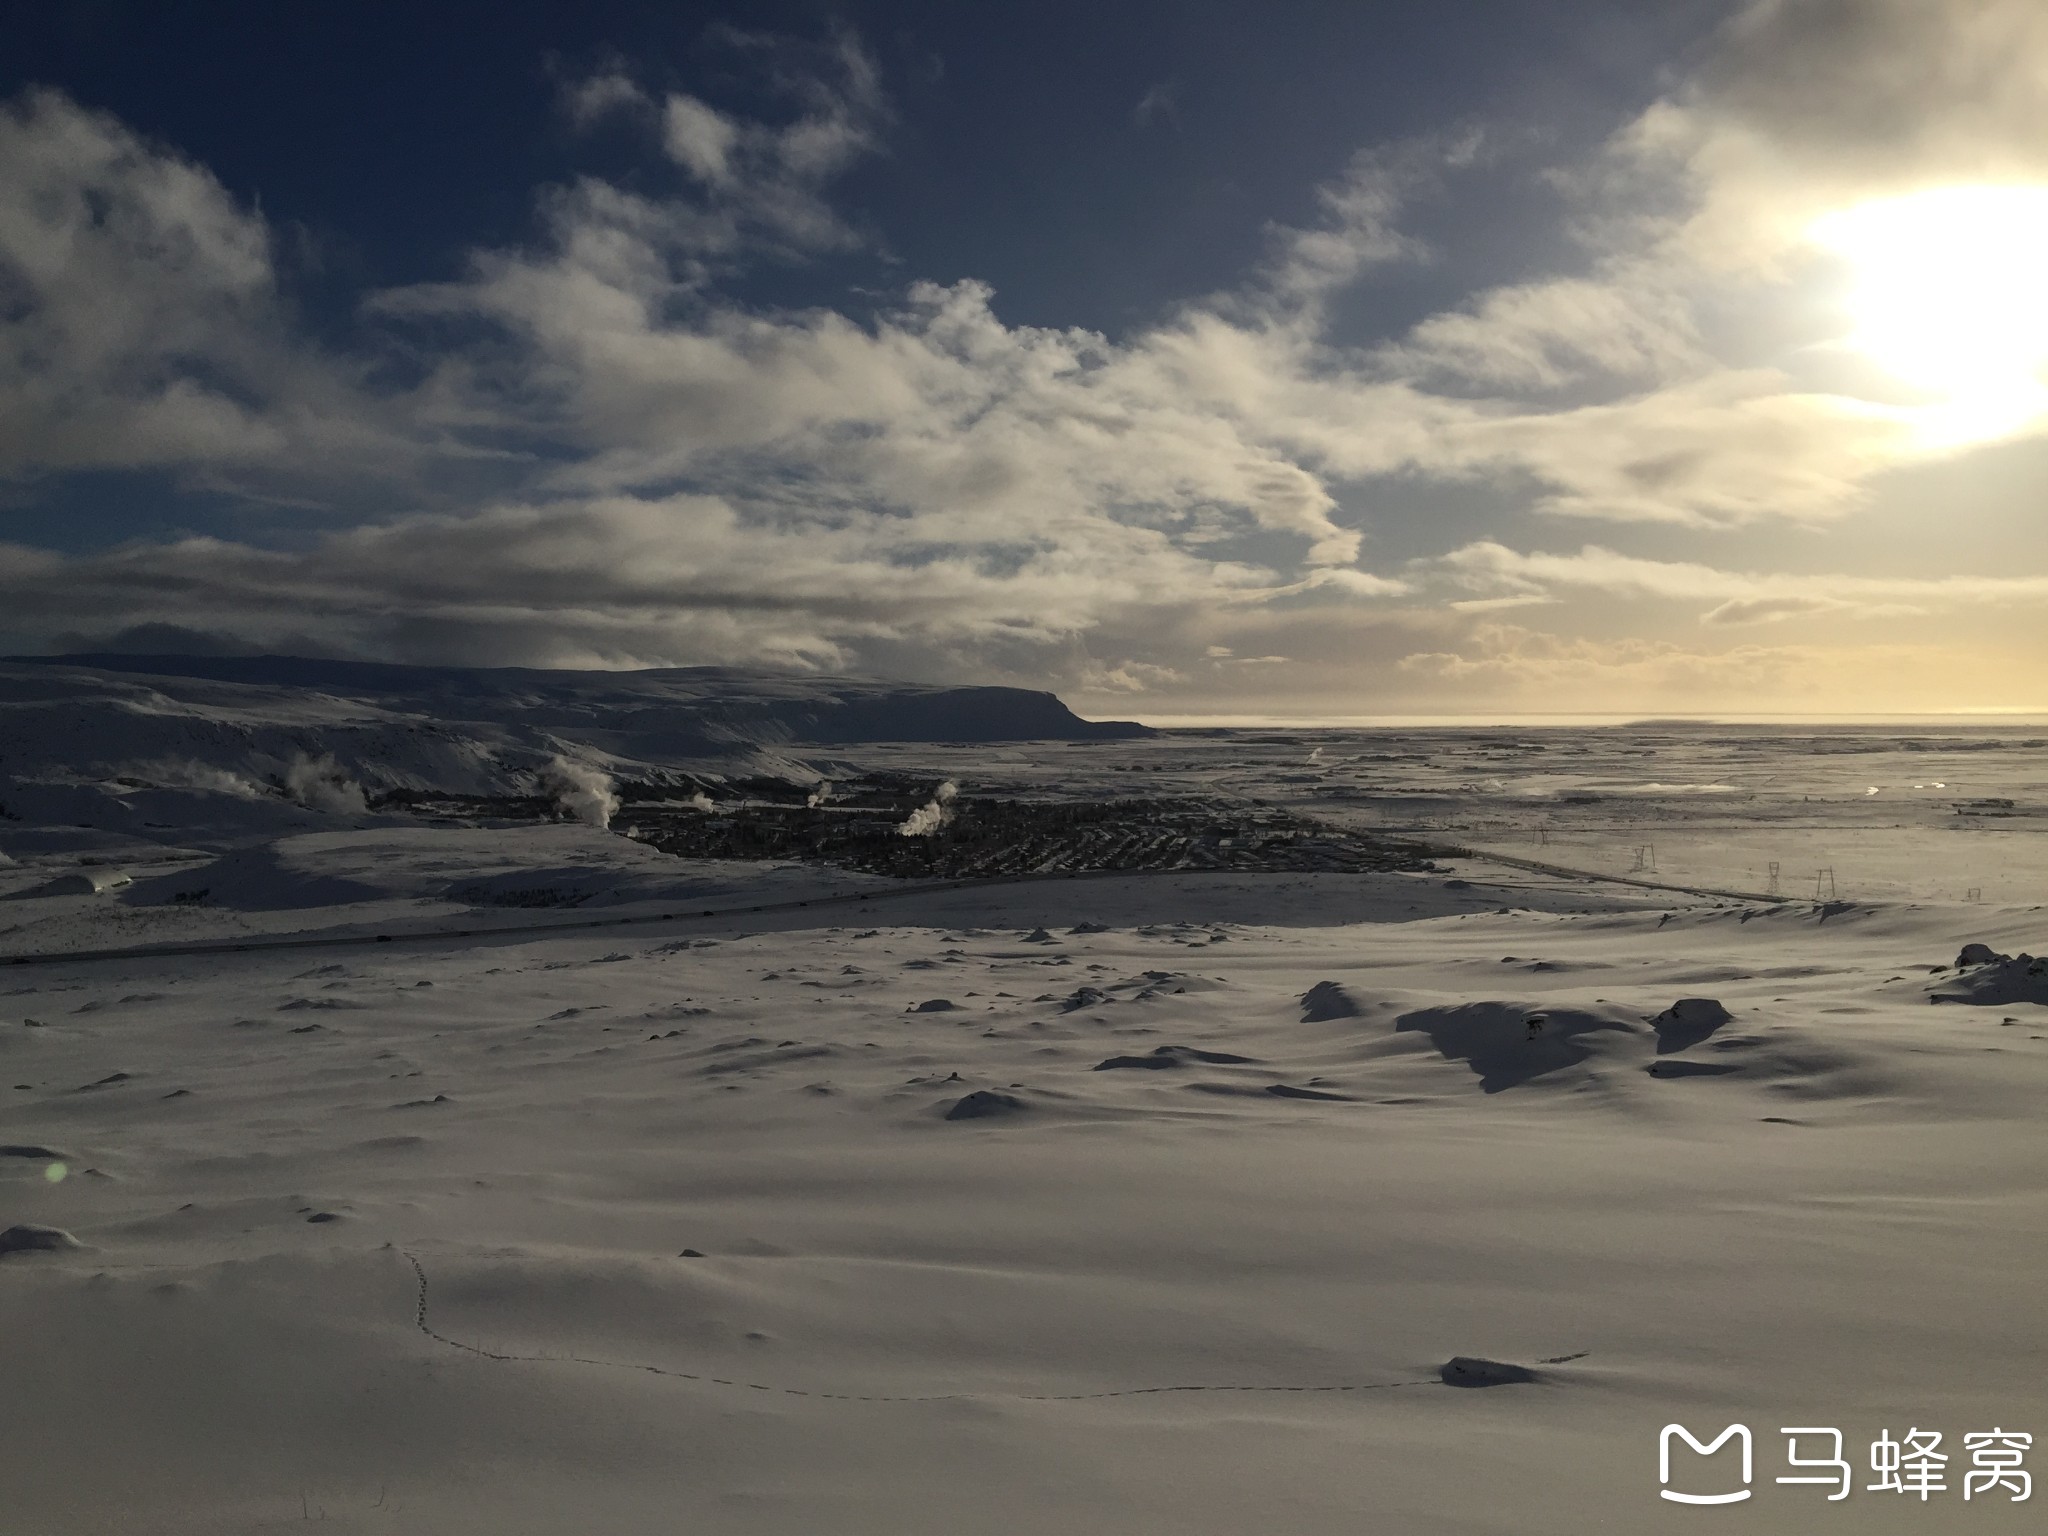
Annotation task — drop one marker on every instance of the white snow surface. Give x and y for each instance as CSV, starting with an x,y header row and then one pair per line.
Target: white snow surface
x,y
1827,1209
880,1211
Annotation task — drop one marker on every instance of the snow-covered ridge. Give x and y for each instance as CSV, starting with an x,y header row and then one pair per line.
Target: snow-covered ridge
x,y
211,721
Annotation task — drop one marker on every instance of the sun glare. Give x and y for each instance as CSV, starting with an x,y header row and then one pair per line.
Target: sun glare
x,y
1949,295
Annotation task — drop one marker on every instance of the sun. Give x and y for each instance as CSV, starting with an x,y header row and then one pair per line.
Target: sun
x,y
1949,295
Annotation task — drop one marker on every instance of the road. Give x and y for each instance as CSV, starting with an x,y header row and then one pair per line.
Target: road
x,y
847,898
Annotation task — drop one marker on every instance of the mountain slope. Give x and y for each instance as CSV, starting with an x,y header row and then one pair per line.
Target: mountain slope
x,y
239,725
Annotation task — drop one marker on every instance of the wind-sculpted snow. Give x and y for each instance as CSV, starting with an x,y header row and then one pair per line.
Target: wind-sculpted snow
x,y
833,1185
745,1169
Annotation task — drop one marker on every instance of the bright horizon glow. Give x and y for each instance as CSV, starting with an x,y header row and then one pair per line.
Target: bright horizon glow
x,y
2019,718
1949,298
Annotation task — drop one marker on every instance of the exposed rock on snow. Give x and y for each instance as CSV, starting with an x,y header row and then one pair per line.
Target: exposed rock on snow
x,y
1687,1022
1997,982
1473,1371
1495,1039
29,1238
985,1104
1328,1000
1166,1056
1670,1067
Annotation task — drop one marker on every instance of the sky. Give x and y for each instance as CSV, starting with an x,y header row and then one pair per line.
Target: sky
x,y
1291,360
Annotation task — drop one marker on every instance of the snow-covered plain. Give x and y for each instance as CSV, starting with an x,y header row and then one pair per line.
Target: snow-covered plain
x,y
1132,1204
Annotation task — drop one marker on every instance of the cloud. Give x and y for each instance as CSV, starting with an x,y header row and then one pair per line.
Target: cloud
x,y
1159,104
1127,677
598,454
1691,354
1554,671
752,184
1504,667
1808,104
701,139
1728,449
621,580
1736,597
142,323
1769,610
591,98
986,434
1497,604
156,640
1359,227
768,179
1547,335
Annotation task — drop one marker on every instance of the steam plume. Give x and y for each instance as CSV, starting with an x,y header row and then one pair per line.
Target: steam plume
x,y
582,792
320,784
933,814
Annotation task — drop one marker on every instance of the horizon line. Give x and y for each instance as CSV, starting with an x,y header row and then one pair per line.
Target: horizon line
x,y
2015,717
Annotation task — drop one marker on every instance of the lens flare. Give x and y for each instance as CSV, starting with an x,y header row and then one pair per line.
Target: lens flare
x,y
1947,295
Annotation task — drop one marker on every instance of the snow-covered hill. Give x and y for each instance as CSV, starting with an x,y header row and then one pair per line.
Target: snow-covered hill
x,y
243,726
